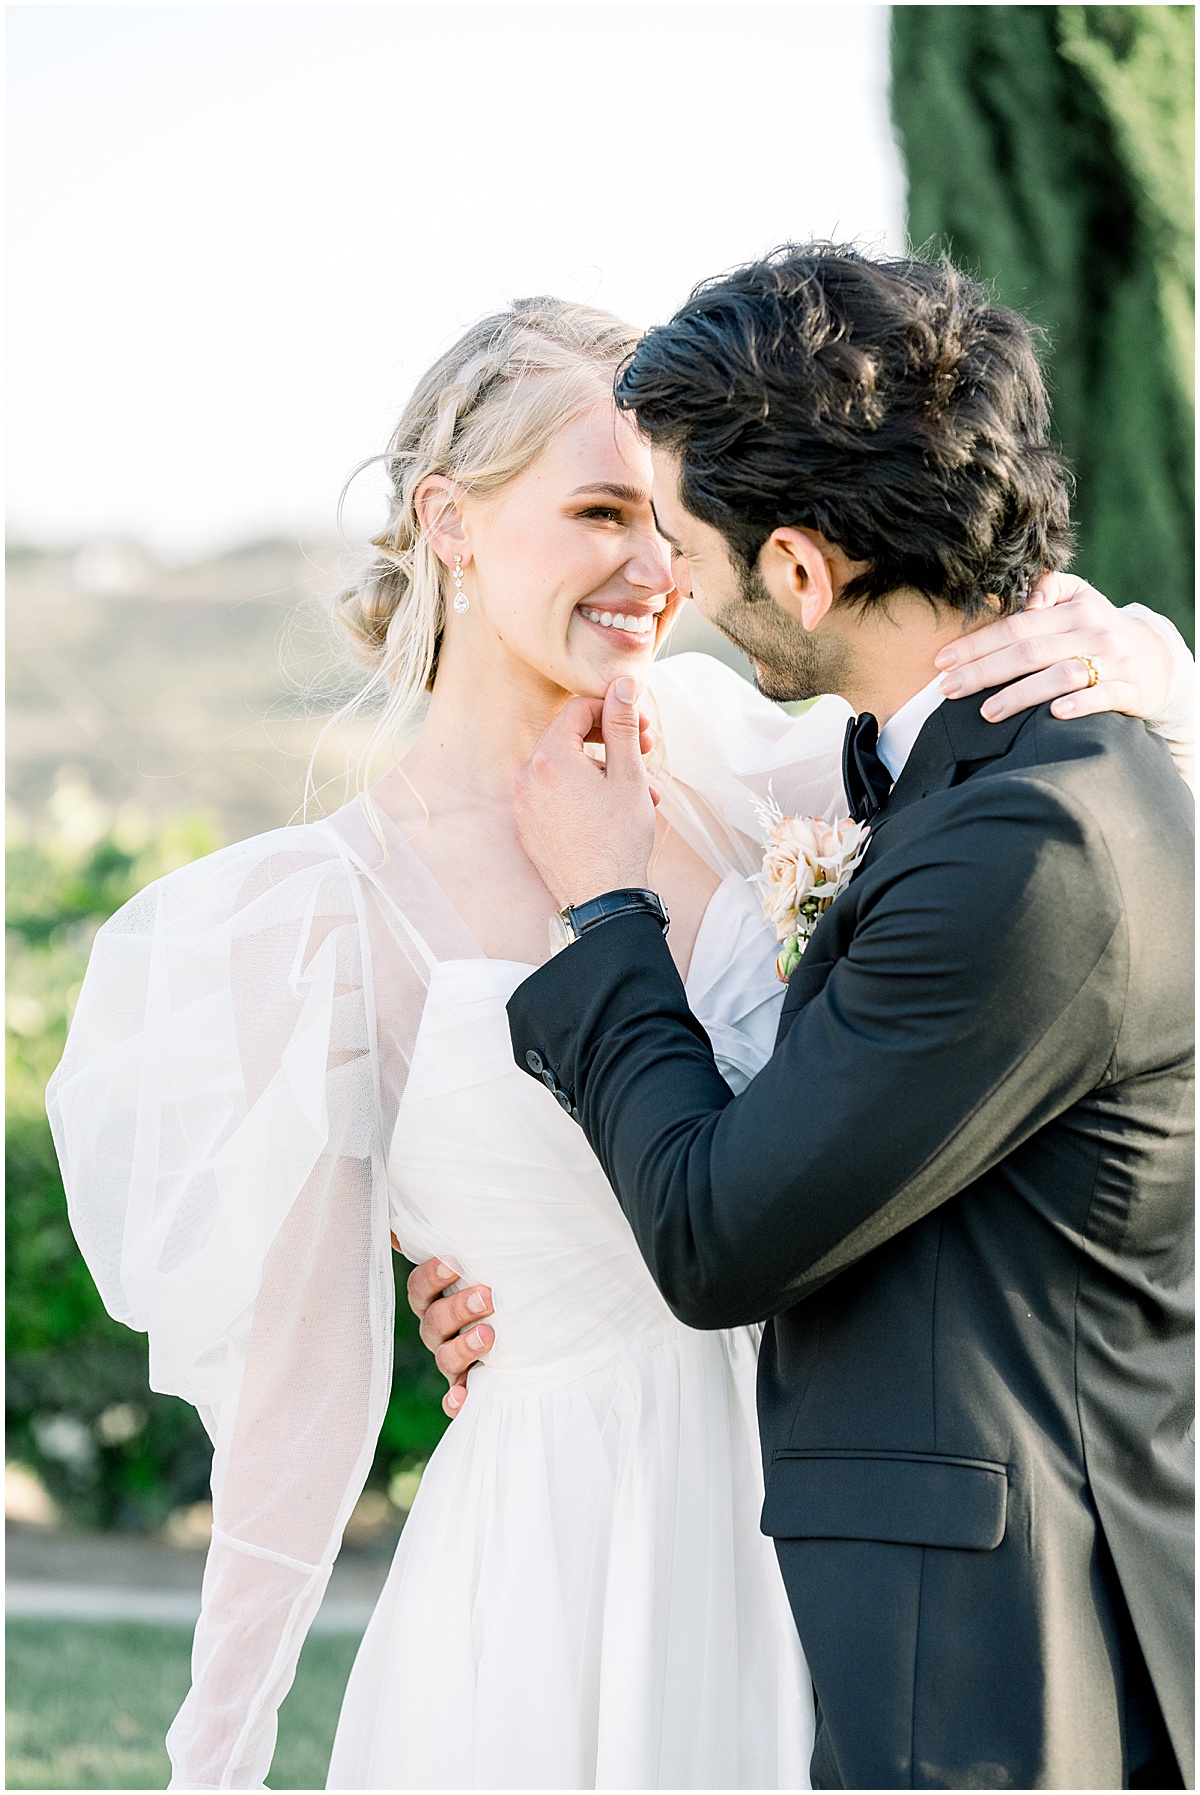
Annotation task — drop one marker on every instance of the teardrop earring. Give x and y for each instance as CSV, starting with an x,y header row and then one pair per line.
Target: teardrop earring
x,y
461,601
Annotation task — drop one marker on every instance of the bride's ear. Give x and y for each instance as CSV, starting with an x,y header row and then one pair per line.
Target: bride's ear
x,y
437,504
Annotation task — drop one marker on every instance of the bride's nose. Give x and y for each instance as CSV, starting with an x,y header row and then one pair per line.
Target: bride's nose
x,y
649,565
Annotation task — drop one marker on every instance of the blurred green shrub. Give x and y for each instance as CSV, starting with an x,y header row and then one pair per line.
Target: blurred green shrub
x,y
1051,149
111,1451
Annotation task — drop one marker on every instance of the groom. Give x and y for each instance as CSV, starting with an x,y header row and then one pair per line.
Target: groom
x,y
959,1193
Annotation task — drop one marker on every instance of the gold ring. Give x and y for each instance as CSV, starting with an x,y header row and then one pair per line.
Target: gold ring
x,y
1093,672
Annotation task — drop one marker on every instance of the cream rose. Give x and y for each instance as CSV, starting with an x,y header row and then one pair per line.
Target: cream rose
x,y
808,861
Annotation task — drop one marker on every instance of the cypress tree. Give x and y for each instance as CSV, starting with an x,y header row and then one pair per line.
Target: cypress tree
x,y
1050,150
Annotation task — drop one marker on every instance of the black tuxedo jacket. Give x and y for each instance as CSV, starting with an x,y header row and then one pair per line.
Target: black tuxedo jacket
x,y
960,1195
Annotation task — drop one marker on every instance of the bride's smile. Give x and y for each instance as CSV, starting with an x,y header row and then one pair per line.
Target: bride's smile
x,y
568,581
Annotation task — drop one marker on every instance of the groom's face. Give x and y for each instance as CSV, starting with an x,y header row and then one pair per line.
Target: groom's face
x,y
790,662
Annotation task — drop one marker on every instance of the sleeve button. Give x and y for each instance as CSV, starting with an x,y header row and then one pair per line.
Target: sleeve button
x,y
564,1101
534,1060
549,1080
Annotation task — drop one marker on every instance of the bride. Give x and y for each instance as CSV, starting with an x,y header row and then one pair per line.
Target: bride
x,y
297,1046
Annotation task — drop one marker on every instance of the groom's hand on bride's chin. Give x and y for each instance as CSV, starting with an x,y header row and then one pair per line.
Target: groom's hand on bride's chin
x,y
587,827
451,1324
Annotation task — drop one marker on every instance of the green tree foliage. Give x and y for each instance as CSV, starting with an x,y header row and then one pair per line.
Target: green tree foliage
x,y
79,1408
1050,149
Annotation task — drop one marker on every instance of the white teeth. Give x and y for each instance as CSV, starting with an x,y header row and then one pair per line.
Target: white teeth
x,y
636,626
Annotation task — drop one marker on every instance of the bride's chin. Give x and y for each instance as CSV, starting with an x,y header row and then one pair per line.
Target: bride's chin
x,y
594,681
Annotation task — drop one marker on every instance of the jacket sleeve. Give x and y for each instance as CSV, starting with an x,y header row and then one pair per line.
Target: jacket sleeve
x,y
978,997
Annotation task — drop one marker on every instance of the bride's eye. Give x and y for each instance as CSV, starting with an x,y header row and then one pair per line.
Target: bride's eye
x,y
607,513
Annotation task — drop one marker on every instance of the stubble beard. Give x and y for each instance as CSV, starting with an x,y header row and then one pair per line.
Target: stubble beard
x,y
790,663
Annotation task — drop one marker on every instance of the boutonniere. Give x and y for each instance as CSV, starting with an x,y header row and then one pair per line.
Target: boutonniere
x,y
807,863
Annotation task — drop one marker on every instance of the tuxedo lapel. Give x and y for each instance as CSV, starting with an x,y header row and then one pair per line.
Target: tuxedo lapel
x,y
955,738
929,768
829,941
953,741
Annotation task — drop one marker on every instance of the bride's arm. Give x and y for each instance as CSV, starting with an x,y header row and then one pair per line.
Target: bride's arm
x,y
217,1123
1145,668
287,1471
295,1442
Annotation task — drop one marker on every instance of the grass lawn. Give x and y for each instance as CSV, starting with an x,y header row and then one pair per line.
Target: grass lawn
x,y
89,1704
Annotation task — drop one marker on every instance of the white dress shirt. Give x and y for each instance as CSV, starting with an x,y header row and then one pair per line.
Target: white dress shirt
x,y
900,732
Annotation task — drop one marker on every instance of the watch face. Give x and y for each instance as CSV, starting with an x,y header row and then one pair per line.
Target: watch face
x,y
561,934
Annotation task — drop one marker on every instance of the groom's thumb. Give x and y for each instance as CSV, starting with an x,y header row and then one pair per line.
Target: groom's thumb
x,y
621,726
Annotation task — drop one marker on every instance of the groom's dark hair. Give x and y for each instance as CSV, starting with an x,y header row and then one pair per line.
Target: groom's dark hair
x,y
892,406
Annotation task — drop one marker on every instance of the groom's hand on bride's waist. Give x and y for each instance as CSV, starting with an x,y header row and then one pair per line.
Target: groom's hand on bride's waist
x,y
589,827
452,1325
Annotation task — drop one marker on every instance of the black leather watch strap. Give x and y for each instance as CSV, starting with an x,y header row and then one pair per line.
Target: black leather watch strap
x,y
611,904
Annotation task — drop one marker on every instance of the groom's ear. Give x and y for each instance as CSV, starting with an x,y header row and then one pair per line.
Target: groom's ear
x,y
797,569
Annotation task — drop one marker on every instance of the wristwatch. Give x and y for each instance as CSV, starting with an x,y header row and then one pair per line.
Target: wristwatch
x,y
576,919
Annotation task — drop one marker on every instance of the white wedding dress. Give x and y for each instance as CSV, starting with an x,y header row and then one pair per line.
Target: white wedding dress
x,y
581,1596
287,1050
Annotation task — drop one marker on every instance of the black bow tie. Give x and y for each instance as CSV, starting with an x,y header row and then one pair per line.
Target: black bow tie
x,y
868,782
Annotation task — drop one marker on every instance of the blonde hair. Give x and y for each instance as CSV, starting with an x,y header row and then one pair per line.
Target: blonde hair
x,y
480,416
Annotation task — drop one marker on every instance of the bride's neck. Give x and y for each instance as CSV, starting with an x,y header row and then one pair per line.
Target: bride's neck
x,y
485,715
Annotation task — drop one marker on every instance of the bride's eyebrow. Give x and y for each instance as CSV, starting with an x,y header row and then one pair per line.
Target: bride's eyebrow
x,y
629,495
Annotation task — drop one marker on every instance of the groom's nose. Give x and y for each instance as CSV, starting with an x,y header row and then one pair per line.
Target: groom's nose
x,y
681,573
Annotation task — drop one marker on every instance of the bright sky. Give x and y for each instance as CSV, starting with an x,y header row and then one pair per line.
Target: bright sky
x,y
238,233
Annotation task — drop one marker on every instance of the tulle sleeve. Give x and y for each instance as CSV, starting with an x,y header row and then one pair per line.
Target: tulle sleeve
x,y
217,1118
1177,724
729,748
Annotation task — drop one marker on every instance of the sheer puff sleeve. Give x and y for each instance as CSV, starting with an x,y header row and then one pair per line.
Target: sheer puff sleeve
x,y
216,1115
1177,723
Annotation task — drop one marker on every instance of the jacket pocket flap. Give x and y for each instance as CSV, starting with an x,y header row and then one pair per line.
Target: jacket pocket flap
x,y
908,1499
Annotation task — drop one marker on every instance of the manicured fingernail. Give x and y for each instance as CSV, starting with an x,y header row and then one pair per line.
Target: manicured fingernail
x,y
476,1304
950,684
627,690
1066,708
445,1271
454,1398
946,658
991,710
477,1340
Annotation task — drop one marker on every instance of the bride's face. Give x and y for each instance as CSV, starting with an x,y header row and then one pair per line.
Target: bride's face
x,y
567,571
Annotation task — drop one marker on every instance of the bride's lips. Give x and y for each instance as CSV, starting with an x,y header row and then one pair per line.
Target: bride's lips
x,y
630,628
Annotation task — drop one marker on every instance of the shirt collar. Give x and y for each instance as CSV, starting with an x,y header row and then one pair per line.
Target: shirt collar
x,y
899,733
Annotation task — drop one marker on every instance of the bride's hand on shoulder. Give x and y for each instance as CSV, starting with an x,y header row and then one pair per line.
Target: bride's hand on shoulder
x,y
451,1324
1042,653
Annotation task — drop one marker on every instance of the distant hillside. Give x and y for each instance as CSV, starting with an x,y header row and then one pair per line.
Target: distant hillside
x,y
203,687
